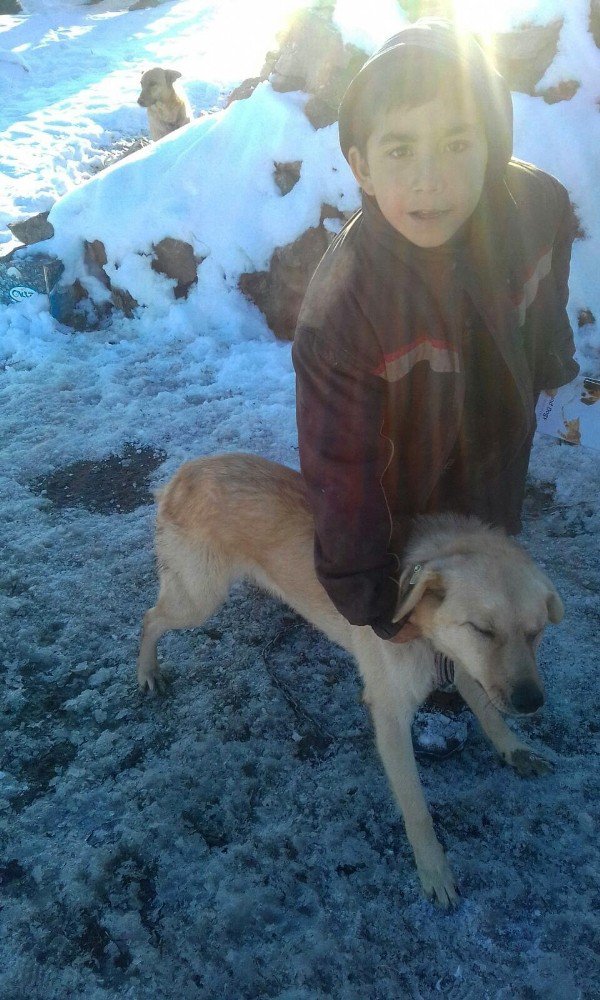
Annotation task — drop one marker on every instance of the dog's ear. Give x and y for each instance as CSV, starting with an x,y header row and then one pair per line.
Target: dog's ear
x,y
171,75
556,611
415,583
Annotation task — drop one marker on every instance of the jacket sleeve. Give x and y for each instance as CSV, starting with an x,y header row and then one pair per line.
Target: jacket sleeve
x,y
343,457
558,366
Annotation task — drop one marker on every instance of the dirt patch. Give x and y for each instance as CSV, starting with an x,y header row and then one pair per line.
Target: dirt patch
x,y
115,485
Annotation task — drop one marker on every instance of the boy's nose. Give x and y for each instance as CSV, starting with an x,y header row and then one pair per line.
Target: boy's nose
x,y
427,176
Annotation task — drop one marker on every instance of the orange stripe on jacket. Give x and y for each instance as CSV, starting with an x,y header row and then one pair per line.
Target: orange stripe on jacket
x,y
441,356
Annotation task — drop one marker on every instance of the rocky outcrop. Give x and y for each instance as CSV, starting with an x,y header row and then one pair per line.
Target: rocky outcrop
x,y
32,230
311,56
524,55
177,260
585,317
172,257
278,292
287,175
563,91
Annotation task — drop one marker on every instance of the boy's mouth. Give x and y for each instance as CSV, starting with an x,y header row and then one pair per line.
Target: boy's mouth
x,y
429,216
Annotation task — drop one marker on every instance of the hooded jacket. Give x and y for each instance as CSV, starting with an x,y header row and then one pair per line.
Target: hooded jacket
x,y
383,393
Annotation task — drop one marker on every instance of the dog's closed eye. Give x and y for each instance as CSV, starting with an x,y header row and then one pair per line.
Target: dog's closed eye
x,y
482,630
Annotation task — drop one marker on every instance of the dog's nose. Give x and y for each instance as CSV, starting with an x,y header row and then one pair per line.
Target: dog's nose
x,y
527,698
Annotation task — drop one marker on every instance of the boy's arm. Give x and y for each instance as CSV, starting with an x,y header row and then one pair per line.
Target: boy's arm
x,y
559,366
343,457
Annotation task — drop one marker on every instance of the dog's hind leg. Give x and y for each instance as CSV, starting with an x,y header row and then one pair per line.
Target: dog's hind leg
x,y
189,594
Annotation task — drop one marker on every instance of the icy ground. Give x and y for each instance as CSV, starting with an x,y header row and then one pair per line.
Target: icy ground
x,y
237,839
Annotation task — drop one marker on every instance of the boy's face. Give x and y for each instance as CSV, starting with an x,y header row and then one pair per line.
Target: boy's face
x,y
425,167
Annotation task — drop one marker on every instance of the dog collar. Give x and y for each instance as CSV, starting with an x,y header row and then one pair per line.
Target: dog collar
x,y
403,593
444,670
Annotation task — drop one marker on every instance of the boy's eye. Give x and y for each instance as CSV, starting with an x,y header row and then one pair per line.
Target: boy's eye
x,y
459,145
398,152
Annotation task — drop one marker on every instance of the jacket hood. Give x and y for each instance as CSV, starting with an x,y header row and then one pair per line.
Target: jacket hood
x,y
489,88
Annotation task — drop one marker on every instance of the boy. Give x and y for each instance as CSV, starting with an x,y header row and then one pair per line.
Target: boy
x,y
433,321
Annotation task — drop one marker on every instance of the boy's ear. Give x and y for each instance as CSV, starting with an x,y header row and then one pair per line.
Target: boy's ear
x,y
360,169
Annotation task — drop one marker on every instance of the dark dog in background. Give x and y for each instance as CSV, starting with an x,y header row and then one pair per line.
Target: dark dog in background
x,y
167,106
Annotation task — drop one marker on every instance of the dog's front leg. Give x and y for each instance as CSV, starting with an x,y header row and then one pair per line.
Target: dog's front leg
x,y
394,743
513,751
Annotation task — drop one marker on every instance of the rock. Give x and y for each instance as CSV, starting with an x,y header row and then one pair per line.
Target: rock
x,y
563,91
585,317
68,306
287,175
177,260
244,90
595,21
124,301
523,56
332,213
278,292
311,57
320,113
10,7
94,257
174,258
310,50
32,230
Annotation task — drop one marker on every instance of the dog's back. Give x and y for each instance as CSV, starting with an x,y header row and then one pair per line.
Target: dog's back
x,y
207,494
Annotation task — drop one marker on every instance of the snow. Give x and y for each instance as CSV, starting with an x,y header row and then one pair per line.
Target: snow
x,y
222,843
211,184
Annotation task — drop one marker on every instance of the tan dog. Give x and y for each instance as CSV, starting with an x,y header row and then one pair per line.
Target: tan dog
x,y
168,107
475,595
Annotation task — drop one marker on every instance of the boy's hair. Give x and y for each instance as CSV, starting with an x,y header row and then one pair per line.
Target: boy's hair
x,y
416,79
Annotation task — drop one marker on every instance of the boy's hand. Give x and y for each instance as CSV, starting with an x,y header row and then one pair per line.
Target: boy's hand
x,y
550,392
408,633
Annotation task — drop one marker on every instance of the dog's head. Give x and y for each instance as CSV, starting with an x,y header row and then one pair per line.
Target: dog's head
x,y
157,85
486,610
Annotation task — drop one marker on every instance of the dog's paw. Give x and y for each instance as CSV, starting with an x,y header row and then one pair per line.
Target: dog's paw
x,y
151,679
438,884
529,764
